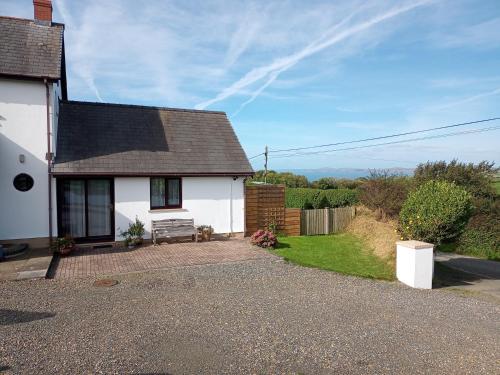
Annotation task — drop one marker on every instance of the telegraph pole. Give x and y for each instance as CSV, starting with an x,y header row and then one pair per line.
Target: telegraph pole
x,y
265,165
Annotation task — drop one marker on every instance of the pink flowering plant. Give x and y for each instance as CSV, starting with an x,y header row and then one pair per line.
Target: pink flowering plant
x,y
264,238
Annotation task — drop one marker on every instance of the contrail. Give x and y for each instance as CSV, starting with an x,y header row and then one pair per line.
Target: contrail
x,y
274,69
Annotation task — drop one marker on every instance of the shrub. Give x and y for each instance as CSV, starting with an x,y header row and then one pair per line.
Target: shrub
x,y
385,194
481,237
477,179
286,178
264,238
326,183
314,198
435,212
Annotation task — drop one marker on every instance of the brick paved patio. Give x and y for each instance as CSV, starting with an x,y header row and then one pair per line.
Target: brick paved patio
x,y
87,262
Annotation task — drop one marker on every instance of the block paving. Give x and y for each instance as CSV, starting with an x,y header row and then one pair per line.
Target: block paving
x,y
92,262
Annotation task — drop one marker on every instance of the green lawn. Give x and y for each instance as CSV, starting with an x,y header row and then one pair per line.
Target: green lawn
x,y
343,253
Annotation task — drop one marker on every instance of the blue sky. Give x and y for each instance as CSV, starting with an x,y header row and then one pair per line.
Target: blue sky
x,y
295,73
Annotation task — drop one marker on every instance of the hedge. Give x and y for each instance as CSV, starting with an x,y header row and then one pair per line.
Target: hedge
x,y
481,237
306,198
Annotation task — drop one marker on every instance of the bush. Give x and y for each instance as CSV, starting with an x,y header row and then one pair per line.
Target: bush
x,y
315,198
263,238
435,212
477,179
326,183
481,237
286,178
385,194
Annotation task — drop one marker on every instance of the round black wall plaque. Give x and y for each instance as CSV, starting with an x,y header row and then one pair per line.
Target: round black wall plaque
x,y
23,182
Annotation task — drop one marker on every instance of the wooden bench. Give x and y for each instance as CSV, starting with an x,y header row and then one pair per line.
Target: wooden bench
x,y
169,228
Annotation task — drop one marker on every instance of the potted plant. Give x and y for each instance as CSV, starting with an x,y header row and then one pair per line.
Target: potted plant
x,y
134,235
206,232
64,245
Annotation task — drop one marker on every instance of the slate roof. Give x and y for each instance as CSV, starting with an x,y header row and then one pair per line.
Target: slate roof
x,y
117,139
30,49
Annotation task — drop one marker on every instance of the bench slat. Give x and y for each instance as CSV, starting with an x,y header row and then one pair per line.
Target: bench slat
x,y
173,228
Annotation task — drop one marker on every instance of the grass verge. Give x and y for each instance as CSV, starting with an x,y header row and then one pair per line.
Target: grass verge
x,y
479,248
343,253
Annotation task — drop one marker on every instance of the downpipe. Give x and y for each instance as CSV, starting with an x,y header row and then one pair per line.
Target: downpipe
x,y
49,161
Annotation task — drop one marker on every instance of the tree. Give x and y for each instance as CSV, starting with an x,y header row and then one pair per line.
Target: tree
x,y
385,193
325,183
477,179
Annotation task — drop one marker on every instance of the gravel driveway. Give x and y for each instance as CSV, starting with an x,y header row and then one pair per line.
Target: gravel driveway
x,y
259,316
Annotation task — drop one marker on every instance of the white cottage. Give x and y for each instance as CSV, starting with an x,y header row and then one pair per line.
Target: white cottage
x,y
89,169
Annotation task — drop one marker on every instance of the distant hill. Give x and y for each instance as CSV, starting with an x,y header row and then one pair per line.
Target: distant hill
x,y
314,174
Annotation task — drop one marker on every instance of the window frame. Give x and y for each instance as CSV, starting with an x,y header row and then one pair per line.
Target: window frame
x,y
166,206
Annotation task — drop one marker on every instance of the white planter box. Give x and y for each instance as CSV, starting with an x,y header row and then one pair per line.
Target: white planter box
x,y
415,263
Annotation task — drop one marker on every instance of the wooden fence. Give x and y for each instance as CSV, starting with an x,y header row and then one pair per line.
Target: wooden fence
x,y
265,208
264,204
326,220
292,221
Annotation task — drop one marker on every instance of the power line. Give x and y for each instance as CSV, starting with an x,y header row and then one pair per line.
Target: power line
x,y
387,136
390,143
256,156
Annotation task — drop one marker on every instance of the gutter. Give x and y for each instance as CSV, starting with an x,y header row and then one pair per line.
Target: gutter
x,y
152,174
48,157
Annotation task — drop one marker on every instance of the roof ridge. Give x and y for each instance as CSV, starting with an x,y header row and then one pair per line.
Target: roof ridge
x,y
31,20
142,106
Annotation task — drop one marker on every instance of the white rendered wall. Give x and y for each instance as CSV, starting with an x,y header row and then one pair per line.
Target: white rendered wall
x,y
415,263
23,130
207,200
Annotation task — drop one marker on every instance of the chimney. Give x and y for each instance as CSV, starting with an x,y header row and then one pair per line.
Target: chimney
x,y
43,10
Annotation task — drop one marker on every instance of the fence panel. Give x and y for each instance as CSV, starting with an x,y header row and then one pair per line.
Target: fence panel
x,y
326,220
292,221
264,205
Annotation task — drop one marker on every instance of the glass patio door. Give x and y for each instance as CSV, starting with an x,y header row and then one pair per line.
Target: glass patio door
x,y
86,208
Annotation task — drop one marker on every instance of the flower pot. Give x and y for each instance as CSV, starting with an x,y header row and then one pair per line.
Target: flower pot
x,y
206,234
66,250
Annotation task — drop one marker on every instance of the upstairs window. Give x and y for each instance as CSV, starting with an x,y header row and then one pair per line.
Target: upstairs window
x,y
166,192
